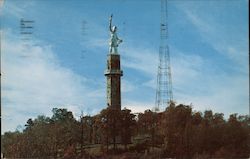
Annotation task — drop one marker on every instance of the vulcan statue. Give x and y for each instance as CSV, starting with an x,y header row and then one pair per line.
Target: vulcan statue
x,y
114,40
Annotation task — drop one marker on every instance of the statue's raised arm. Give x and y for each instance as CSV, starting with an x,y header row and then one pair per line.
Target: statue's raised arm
x,y
110,22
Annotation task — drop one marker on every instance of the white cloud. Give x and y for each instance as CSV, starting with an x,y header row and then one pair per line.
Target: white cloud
x,y
127,86
194,81
207,88
137,107
13,9
225,94
151,83
229,40
185,68
141,59
199,81
1,3
35,83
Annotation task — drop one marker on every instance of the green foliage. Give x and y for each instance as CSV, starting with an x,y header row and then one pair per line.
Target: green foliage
x,y
178,132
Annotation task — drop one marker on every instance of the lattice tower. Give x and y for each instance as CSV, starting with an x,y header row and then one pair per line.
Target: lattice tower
x,y
164,94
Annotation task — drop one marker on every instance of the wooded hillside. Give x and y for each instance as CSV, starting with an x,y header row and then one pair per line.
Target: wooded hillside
x,y
178,132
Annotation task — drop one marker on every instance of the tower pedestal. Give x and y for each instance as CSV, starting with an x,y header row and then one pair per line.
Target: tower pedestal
x,y
113,74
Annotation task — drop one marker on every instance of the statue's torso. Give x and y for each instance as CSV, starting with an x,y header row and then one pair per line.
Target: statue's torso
x,y
114,38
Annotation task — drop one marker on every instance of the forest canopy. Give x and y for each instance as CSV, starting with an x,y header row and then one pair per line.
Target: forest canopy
x,y
177,132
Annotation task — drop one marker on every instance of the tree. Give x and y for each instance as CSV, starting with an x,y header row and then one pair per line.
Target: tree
x,y
110,121
236,138
127,126
177,130
10,144
66,129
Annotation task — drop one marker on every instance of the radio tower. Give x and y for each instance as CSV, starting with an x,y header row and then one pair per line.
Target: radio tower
x,y
164,93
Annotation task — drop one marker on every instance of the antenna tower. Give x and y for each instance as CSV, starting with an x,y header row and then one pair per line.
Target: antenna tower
x,y
164,94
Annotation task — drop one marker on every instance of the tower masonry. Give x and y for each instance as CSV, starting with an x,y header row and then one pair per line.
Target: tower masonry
x,y
113,74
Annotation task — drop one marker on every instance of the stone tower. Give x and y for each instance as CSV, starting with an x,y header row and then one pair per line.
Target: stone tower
x,y
113,71
113,74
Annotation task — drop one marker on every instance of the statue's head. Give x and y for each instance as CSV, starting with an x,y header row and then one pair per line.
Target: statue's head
x,y
114,28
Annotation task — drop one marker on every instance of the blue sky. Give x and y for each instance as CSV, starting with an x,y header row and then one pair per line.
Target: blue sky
x,y
62,64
